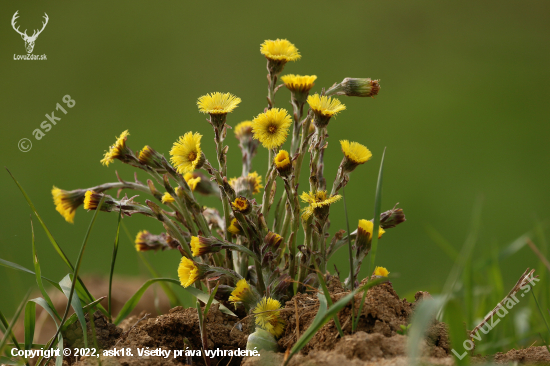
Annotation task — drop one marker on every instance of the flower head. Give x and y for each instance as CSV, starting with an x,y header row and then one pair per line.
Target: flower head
x,y
148,156
247,186
167,198
355,87
235,227
242,205
283,163
91,200
218,103
318,204
299,85
243,129
271,127
188,272
279,50
118,150
197,248
187,154
146,241
354,155
191,180
324,108
273,240
268,316
364,235
66,202
241,293
381,271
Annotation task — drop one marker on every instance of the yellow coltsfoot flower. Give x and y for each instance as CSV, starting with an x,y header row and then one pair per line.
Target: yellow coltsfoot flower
x,y
187,154
241,293
267,313
66,202
324,108
273,240
364,235
167,198
354,155
118,150
278,53
235,227
192,180
148,156
247,186
188,272
299,86
271,127
242,205
243,130
381,272
283,164
318,204
218,105
197,248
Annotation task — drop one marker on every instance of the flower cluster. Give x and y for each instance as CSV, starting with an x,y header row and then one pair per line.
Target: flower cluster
x,y
250,242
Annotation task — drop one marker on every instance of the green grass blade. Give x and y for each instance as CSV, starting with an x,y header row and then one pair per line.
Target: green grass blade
x,y
329,301
57,247
59,359
541,313
38,274
377,208
68,289
422,318
113,261
8,332
202,296
209,303
454,317
4,325
172,297
17,267
324,315
29,323
40,301
70,320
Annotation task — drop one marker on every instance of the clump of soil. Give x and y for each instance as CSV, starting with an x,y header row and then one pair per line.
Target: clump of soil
x,y
383,313
526,356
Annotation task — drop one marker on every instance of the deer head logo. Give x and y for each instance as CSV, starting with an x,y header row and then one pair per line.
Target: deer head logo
x,y
29,41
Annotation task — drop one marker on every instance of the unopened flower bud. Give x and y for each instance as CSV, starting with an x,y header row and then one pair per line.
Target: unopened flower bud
x,y
355,87
242,205
392,218
283,164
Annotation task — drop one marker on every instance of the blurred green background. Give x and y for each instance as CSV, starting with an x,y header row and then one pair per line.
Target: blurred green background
x,y
463,112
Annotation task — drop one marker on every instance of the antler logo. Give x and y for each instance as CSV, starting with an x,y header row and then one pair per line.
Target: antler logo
x,y
29,41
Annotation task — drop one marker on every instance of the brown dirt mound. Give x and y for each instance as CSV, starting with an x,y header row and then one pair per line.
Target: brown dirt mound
x,y
383,313
526,356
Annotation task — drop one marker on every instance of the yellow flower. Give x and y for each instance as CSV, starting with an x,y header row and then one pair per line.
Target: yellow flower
x,y
240,291
381,271
167,198
191,180
187,154
271,127
117,150
325,105
279,50
234,228
188,272
251,184
242,205
218,103
367,226
91,200
324,108
299,83
66,202
318,204
243,129
354,155
267,313
141,245
197,248
283,163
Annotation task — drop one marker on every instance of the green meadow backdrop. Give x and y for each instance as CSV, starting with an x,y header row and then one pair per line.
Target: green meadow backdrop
x,y
463,113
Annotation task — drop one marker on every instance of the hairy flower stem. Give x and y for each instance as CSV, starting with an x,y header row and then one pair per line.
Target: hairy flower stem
x,y
303,145
298,112
271,81
316,161
225,200
295,212
270,178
